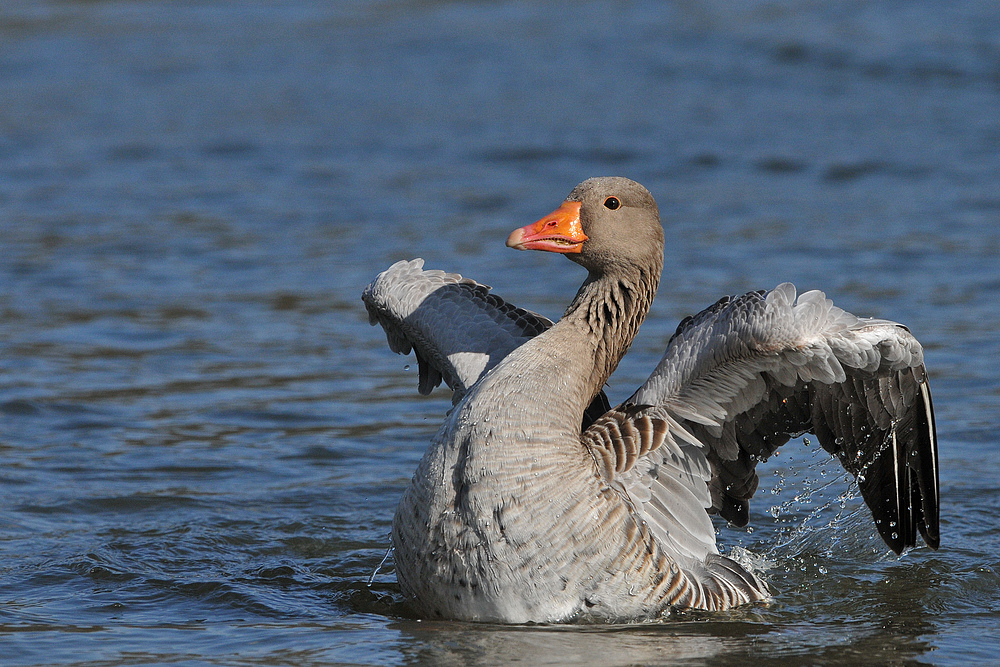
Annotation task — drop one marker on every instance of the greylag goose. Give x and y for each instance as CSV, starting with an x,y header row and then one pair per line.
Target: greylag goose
x,y
537,502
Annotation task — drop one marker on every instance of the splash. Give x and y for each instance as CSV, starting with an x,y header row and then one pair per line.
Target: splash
x,y
756,563
826,515
371,579
815,508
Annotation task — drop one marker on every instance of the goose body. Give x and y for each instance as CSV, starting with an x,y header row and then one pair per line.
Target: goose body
x,y
537,502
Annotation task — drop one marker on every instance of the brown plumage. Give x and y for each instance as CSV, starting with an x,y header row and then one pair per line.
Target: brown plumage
x,y
536,502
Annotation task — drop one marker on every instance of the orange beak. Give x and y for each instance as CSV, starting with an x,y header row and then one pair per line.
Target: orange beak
x,y
559,231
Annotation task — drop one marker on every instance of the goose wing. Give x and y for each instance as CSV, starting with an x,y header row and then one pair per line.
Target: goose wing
x,y
740,379
456,327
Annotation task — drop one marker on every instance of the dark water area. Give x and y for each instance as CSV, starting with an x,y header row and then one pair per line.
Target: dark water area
x,y
202,441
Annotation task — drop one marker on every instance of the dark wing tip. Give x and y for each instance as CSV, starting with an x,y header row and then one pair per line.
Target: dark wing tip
x,y
926,482
900,484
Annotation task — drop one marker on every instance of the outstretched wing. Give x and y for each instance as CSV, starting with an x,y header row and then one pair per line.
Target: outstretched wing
x,y
740,379
456,328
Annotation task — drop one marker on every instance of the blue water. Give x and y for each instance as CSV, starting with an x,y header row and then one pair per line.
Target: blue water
x,y
202,441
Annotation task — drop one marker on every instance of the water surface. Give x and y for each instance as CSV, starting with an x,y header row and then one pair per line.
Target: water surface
x,y
203,441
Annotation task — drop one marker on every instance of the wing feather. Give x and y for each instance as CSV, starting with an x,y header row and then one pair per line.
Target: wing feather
x,y
457,329
742,377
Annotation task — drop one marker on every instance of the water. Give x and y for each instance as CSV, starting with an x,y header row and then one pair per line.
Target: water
x,y
203,441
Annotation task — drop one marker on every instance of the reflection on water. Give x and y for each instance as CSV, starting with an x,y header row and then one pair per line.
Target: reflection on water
x,y
453,644
733,639
202,440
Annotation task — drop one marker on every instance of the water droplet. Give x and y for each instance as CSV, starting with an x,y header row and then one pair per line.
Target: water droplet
x,y
406,367
378,567
822,570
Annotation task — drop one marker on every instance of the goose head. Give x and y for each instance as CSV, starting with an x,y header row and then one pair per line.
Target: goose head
x,y
604,224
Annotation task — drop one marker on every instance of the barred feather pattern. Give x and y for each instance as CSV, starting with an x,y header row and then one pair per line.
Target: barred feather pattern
x,y
612,310
663,482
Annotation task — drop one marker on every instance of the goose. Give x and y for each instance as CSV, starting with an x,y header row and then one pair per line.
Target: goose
x,y
537,502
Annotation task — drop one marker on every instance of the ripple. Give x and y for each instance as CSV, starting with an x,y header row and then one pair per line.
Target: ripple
x,y
203,441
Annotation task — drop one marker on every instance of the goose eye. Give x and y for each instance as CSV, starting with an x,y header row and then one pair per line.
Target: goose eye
x,y
612,203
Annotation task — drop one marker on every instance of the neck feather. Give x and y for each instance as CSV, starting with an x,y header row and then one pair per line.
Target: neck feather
x,y
609,308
